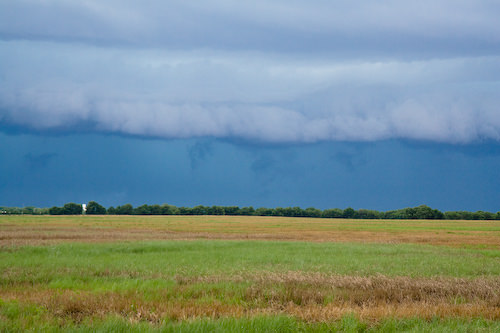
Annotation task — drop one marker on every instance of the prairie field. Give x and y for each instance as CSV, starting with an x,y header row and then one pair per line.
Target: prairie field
x,y
247,273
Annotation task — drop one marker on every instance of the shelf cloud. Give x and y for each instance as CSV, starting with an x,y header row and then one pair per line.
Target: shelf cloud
x,y
276,72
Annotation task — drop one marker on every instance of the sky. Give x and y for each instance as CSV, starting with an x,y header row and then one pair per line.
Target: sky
x,y
378,105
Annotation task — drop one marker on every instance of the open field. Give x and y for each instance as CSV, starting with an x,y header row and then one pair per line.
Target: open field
x,y
197,273
41,230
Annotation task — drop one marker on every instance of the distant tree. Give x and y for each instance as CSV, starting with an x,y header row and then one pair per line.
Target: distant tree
x,y
438,215
232,210
167,209
279,211
466,215
420,212
489,216
452,216
142,210
72,208
55,211
215,210
185,211
297,211
425,213
93,208
199,210
262,211
312,212
368,214
248,211
40,211
480,215
408,213
126,209
13,210
28,210
287,211
292,212
155,209
332,213
391,214
349,213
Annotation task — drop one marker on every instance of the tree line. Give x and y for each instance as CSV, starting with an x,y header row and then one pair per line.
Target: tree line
x,y
94,208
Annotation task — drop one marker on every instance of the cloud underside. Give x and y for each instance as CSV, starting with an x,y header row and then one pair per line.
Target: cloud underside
x,y
48,86
286,71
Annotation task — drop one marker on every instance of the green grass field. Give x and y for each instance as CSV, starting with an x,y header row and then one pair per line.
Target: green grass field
x,y
174,274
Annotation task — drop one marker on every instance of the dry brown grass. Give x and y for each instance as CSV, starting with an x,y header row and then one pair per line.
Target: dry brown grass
x,y
56,229
76,306
309,296
382,292
376,313
317,288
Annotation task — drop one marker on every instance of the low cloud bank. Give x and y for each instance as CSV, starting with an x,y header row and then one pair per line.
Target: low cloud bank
x,y
286,71
48,86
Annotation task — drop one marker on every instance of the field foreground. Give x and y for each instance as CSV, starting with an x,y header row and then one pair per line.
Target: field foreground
x,y
43,230
247,274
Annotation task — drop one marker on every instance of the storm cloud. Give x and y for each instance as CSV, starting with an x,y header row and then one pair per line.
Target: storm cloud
x,y
280,71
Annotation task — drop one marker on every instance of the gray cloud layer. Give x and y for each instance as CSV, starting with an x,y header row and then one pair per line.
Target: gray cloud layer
x,y
390,27
277,71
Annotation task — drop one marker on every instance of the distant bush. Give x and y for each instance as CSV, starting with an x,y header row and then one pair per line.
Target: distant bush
x,y
55,210
126,209
93,208
420,212
24,210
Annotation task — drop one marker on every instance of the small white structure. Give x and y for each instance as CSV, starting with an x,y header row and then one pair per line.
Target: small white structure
x,y
84,208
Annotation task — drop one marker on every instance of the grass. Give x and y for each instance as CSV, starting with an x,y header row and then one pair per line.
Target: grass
x,y
202,257
348,323
29,230
220,283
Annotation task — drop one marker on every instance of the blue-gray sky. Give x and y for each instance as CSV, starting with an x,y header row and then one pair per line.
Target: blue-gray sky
x,y
269,103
